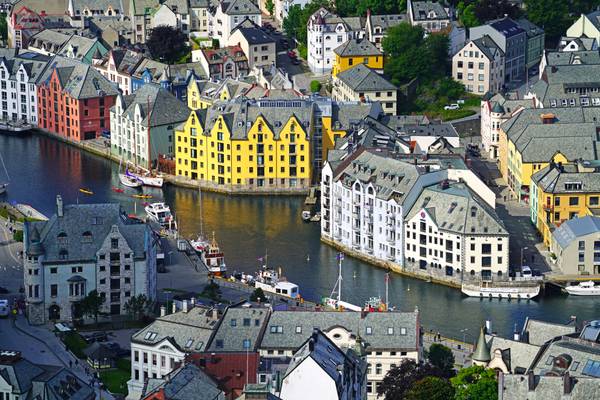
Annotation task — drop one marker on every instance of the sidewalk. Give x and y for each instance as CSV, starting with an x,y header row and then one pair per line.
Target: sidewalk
x,y
56,347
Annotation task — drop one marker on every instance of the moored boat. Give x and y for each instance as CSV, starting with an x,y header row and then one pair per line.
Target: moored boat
x,y
15,126
587,288
502,290
213,258
3,187
199,244
148,178
161,214
141,196
272,281
129,181
306,216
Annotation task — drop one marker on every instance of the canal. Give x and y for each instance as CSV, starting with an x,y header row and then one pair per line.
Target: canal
x,y
249,227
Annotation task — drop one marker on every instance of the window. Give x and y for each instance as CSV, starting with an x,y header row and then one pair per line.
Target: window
x,y
298,329
53,270
246,321
594,201
53,290
390,330
573,201
219,343
378,369
233,322
403,331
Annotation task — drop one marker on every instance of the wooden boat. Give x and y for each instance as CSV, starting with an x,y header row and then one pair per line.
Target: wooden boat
x,y
86,191
502,290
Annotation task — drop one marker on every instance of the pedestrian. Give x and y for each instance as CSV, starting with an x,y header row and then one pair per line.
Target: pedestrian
x,y
439,337
70,363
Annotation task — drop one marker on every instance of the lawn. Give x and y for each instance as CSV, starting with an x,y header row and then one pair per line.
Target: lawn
x,y
115,380
75,343
466,109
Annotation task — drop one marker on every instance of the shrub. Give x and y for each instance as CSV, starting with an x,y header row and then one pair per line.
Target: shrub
x,y
315,86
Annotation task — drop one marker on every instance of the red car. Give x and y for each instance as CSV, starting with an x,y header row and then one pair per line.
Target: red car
x,y
291,54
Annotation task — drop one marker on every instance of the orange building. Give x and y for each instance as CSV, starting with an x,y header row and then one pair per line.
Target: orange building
x,y
74,100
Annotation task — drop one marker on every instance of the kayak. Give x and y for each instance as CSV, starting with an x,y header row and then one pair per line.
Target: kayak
x,y
86,191
142,196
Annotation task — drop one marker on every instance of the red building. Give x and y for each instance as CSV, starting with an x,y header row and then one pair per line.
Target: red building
x,y
231,370
74,100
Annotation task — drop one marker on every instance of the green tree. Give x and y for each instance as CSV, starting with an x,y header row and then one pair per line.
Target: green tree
x,y
475,383
442,357
315,86
551,15
258,295
137,306
91,305
467,15
270,6
399,380
3,27
431,388
167,44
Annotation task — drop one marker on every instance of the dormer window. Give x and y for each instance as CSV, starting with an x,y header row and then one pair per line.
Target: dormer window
x,y
63,254
86,237
61,238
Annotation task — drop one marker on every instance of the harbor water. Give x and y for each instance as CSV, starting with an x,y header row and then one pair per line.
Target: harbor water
x,y
249,227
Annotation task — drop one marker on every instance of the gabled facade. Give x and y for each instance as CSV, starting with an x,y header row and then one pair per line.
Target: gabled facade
x,y
52,42
117,66
430,15
479,66
227,14
361,83
18,76
84,248
376,26
587,26
26,20
199,17
74,100
140,15
226,62
354,52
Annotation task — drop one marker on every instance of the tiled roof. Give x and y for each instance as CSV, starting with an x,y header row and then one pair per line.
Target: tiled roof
x,y
33,63
539,332
516,387
387,20
488,47
521,354
94,219
185,383
297,326
253,33
218,56
238,324
188,332
421,10
361,78
80,5
571,230
143,7
357,48
553,179
165,109
239,7
572,57
325,17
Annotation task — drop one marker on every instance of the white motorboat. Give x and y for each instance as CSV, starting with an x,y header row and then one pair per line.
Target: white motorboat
x,y
3,187
199,244
272,281
148,178
306,216
15,126
161,214
129,181
587,288
213,258
502,290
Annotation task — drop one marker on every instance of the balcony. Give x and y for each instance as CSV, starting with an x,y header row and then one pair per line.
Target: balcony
x,y
391,239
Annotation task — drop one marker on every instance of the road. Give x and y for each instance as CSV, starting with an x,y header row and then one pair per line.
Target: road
x,y
11,265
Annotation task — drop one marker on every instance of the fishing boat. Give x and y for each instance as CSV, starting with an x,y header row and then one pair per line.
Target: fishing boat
x,y
213,258
161,214
272,281
502,290
147,177
86,191
587,288
129,181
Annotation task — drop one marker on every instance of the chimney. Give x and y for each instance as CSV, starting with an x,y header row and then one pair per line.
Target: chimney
x,y
567,384
59,206
516,335
174,308
163,311
488,326
185,306
530,381
215,314
192,302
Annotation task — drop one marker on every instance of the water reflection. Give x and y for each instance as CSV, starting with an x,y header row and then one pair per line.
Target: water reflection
x,y
249,227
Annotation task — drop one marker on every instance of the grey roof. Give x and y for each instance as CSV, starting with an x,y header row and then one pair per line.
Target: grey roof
x,y
516,387
79,47
452,207
482,350
572,57
99,351
345,114
514,126
584,43
55,7
361,78
297,326
330,20
539,332
421,9
180,329
571,230
165,109
80,5
79,80
239,7
253,33
356,48
33,63
433,129
143,7
371,133
387,20
199,3
185,383
594,18
43,382
488,47
558,79
529,27
398,122
125,60
506,26
515,354
49,40
178,6
555,179
94,219
240,323
577,350
344,367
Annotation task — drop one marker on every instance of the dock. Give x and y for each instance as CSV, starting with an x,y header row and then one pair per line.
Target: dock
x,y
311,199
30,212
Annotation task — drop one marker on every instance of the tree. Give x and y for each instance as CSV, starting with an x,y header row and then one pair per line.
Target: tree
x,y
551,15
167,44
468,16
258,295
3,27
91,304
398,381
431,388
315,86
270,6
475,382
441,357
137,306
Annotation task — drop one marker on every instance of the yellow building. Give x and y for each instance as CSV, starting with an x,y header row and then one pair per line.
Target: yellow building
x,y
561,192
248,143
354,52
203,93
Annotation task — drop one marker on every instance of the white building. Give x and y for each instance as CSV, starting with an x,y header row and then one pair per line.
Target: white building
x,y
18,90
117,66
479,66
452,229
430,15
173,13
226,15
321,370
82,248
156,349
387,338
282,8
199,17
325,32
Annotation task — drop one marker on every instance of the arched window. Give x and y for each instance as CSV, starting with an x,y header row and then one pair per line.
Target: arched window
x,y
472,272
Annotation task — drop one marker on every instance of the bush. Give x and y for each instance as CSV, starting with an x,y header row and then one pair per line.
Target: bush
x,y
18,236
315,86
303,51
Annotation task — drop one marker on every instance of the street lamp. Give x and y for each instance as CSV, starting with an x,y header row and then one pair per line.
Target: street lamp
x,y
523,248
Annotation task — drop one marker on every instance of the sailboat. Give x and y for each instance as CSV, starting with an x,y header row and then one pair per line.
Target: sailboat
x,y
4,186
334,300
127,179
200,244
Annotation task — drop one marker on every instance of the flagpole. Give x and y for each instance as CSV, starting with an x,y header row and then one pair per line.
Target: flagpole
x,y
340,257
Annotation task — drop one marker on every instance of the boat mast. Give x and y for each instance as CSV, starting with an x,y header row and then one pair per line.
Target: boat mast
x,y
387,280
201,211
148,140
4,166
340,258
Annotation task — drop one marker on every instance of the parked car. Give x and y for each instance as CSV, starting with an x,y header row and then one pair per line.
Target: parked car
x,y
292,54
460,101
452,106
95,337
526,272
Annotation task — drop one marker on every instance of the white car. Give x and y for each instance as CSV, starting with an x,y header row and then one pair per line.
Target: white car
x,y
453,106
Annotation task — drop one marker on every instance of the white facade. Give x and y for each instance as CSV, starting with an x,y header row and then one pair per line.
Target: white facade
x,y
480,70
221,24
129,136
166,16
323,37
18,94
111,73
295,385
199,19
